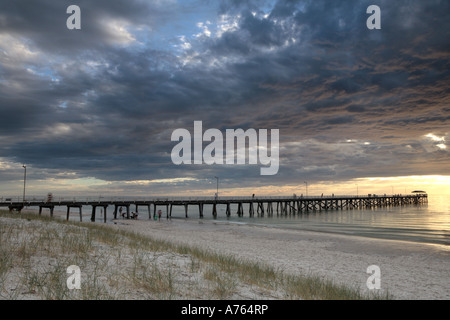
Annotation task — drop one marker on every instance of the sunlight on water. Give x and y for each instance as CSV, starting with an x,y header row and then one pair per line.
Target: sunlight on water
x,y
429,223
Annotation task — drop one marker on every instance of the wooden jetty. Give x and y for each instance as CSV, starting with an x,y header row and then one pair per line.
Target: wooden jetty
x,y
258,206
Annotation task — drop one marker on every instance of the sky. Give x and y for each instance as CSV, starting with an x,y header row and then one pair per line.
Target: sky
x,y
91,111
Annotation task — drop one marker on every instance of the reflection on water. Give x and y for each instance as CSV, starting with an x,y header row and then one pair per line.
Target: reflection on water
x,y
428,223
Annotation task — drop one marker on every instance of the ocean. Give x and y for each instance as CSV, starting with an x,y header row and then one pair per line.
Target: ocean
x,y
427,223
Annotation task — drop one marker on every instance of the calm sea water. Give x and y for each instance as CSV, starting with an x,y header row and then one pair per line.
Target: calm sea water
x,y
429,223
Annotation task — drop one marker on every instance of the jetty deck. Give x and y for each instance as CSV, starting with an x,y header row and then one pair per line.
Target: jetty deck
x,y
254,205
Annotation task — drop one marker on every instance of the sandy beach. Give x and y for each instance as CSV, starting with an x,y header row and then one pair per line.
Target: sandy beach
x,y
408,270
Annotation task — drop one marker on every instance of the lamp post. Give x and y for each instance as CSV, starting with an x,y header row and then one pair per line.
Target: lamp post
x,y
357,191
217,193
306,182
24,182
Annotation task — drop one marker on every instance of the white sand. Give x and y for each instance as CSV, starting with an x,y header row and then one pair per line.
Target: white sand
x,y
408,270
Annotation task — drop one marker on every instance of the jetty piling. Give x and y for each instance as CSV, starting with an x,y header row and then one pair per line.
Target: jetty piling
x,y
284,205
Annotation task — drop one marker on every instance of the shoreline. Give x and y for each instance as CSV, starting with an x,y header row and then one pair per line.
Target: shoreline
x,y
408,270
74,216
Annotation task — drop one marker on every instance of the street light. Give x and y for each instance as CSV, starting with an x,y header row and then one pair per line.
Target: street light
x,y
357,191
24,182
306,182
217,193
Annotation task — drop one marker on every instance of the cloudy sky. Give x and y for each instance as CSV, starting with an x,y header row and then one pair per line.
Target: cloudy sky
x,y
92,111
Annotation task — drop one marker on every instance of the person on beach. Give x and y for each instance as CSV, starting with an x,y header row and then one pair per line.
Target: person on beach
x,y
159,214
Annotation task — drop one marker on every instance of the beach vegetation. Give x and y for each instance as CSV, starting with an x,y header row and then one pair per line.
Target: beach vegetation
x,y
35,252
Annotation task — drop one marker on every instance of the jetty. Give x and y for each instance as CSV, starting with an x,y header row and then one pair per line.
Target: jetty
x,y
253,205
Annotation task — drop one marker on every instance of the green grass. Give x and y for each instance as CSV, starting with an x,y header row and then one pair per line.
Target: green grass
x,y
116,264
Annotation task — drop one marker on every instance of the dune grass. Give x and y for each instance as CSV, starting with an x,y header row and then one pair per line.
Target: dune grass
x,y
35,252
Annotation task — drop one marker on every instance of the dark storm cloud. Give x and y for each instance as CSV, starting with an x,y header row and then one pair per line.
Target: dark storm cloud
x,y
43,22
103,101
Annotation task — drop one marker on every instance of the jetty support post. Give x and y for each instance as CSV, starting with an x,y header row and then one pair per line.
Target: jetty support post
x,y
260,209
115,211
240,211
93,213
94,209
200,209
51,207
269,209
214,211
74,206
